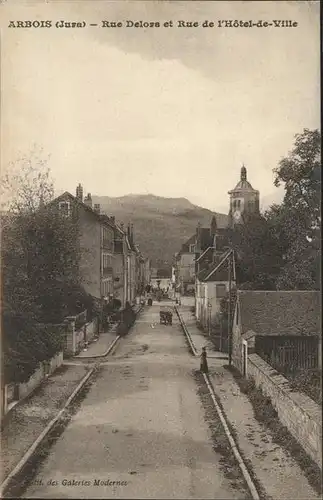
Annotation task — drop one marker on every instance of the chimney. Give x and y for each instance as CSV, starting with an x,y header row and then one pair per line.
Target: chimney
x,y
88,200
131,233
122,226
96,208
79,192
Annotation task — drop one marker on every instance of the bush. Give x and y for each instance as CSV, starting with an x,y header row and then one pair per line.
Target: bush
x,y
26,344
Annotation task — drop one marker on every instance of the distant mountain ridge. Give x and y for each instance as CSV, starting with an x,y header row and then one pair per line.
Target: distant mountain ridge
x,y
161,225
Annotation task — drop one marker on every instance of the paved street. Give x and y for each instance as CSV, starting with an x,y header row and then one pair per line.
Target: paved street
x,y
143,424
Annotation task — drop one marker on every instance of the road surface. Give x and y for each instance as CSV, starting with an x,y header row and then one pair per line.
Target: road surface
x,y
142,430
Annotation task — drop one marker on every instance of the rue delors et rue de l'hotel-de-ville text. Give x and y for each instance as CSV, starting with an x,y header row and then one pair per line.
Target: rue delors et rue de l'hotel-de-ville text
x,y
222,23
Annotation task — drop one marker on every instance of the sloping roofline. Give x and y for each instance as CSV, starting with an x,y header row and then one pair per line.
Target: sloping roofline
x,y
101,217
226,255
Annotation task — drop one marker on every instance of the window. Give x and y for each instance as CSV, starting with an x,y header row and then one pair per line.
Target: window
x,y
107,288
192,248
106,261
220,291
64,208
107,238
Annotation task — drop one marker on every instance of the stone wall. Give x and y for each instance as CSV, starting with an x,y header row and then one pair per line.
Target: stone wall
x,y
69,347
55,362
13,393
27,387
76,339
299,413
91,329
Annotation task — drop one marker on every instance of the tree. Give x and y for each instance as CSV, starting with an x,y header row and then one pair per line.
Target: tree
x,y
258,253
280,249
300,172
27,184
40,260
298,220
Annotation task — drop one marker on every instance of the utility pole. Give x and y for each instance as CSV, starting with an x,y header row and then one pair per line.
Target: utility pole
x,y
229,311
209,317
220,332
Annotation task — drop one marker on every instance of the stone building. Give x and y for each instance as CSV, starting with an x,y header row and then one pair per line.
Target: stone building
x,y
96,241
244,199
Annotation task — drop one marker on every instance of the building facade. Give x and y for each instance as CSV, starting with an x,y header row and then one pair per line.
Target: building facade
x,y
111,265
213,281
244,199
96,242
202,262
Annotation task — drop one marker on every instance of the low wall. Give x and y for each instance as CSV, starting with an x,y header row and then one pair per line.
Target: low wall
x,y
55,362
91,329
76,339
45,368
299,413
18,392
27,387
79,339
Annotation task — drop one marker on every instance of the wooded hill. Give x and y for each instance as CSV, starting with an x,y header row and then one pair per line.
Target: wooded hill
x,y
161,225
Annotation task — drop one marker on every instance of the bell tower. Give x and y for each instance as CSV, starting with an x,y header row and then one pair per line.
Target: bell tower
x,y
244,199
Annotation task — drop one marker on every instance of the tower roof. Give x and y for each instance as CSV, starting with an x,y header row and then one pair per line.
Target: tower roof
x,y
243,184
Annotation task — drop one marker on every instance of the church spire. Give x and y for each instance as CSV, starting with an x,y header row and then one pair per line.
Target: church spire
x,y
243,175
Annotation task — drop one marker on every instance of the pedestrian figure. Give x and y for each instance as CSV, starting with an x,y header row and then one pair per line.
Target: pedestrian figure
x,y
203,366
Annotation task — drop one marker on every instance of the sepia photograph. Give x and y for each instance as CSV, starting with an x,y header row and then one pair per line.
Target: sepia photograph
x,y
160,240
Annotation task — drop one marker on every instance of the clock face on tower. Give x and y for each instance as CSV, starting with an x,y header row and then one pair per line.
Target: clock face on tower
x,y
236,215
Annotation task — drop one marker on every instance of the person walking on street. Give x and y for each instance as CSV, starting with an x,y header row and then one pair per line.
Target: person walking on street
x,y
203,366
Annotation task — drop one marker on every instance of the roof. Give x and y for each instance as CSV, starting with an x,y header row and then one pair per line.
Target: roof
x,y
219,244
295,312
186,246
243,184
101,217
203,255
222,239
206,239
218,270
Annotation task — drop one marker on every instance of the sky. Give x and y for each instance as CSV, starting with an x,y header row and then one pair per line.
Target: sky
x,y
172,111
